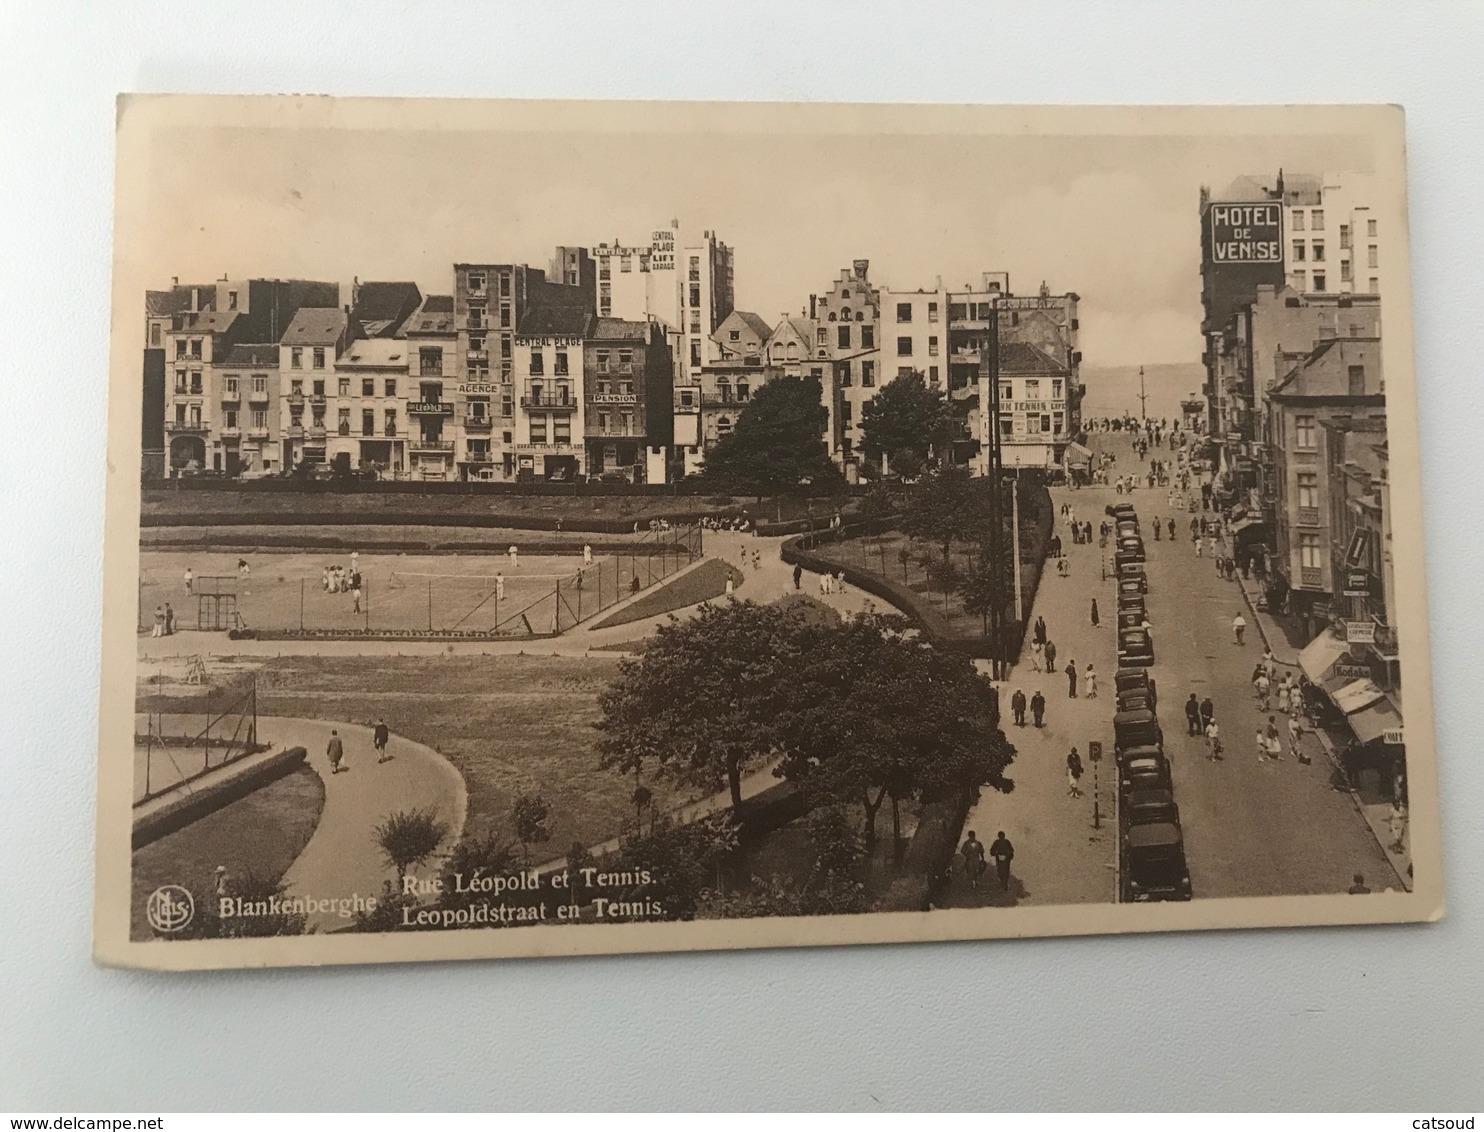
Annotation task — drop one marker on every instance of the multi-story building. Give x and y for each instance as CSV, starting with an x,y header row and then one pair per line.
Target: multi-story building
x,y
627,418
548,375
1038,415
369,404
1360,539
1341,379
1039,373
1333,244
706,407
309,408
430,428
198,343
247,431
847,319
706,282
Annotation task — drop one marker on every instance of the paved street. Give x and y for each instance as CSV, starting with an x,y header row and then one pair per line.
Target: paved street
x,y
1251,829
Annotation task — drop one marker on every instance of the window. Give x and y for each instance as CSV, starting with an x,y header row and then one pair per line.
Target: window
x,y
560,367
561,430
319,388
626,388
538,362
1300,281
368,387
1344,271
687,398
391,387
1320,281
600,358
1317,216
1375,285
1344,236
1309,552
1298,220
846,413
476,281
603,420
1370,227
343,387
1318,251
1056,389
695,295
904,371
1303,432
933,374
260,418
296,358
318,417
1007,392
932,312
180,347
1371,256
734,335
368,422
868,337
154,335
904,347
957,312
933,346
1033,423
626,416
1356,375
843,337
260,383
195,347
744,392
1308,489
296,415
695,268
476,316
229,418
845,294
231,383
904,312
695,351
391,422
319,357
507,405
476,342
604,272
1007,425
625,265
504,314
1033,389
344,422
868,374
843,371
1057,424
1298,251
180,417
538,428
296,386
195,381
1045,422
822,336
231,300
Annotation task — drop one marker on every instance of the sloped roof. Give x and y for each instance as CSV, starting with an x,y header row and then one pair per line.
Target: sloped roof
x,y
434,317
557,322
385,352
1319,375
257,354
801,328
621,328
382,307
1022,357
316,326
1248,187
756,323
203,322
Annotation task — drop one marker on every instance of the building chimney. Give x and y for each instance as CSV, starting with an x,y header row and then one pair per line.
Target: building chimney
x,y
862,266
813,300
175,281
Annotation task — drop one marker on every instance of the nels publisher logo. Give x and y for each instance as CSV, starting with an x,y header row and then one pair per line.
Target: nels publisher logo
x,y
170,908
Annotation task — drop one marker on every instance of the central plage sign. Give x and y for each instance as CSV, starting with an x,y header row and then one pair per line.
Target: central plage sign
x,y
1246,233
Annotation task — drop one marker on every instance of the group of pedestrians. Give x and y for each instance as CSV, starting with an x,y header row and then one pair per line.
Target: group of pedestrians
x,y
335,749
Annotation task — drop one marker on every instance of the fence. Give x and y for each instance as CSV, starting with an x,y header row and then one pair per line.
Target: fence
x,y
604,584
176,748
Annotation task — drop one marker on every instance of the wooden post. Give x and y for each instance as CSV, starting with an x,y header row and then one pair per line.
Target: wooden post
x,y
430,605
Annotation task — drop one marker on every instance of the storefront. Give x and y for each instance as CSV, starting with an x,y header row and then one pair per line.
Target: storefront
x,y
1366,721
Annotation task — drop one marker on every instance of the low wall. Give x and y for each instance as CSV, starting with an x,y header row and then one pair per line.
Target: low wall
x,y
289,541
203,799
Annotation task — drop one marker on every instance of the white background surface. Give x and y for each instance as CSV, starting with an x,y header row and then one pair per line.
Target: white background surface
x,y
1347,1018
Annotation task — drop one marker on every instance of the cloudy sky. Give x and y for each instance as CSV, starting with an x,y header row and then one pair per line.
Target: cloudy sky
x,y
1113,218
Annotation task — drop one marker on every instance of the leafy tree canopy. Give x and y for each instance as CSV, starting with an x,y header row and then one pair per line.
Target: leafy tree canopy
x,y
904,420
778,440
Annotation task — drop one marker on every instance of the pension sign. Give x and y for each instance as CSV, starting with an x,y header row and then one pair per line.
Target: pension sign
x,y
1246,233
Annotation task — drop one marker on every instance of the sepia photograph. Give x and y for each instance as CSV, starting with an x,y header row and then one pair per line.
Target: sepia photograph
x,y
543,528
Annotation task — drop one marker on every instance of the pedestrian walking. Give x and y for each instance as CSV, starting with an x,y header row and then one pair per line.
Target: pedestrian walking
x,y
380,735
1213,741
355,561
1295,740
1208,713
757,564
798,575
1157,528
1090,682
159,629
336,752
1017,707
190,579
1273,743
1262,686
1239,626
1359,887
1003,853
1040,630
169,620
1071,671
1094,613
355,600
1396,823
1074,774
1283,698
1198,545
1038,708
1050,656
1038,657
1193,724
587,555
500,585
1171,528
973,852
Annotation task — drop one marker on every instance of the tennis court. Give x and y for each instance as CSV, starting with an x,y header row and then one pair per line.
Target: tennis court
x,y
400,593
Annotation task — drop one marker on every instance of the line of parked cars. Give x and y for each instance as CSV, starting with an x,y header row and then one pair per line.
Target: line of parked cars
x,y
1151,845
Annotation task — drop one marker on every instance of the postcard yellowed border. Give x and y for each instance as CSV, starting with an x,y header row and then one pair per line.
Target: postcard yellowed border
x,y
141,116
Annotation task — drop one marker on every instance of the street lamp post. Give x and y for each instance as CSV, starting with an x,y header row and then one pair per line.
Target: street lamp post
x,y
994,471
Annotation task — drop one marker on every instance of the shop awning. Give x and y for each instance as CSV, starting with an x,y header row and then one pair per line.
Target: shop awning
x,y
1320,654
1248,529
1357,696
1375,720
1076,454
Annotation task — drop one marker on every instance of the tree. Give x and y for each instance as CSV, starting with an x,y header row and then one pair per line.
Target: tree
x,y
476,855
881,714
905,417
778,440
949,505
409,837
683,863
528,815
699,704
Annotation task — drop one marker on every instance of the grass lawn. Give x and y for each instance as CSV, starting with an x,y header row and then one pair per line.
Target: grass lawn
x,y
706,581
260,834
507,723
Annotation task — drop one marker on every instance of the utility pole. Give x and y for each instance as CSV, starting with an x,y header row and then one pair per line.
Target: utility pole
x,y
1015,541
1143,397
990,366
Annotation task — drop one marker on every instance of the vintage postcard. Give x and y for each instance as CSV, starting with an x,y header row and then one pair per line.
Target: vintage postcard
x,y
561,528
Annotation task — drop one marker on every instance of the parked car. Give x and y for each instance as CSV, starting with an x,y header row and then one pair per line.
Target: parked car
x,y
1143,807
1133,584
1128,678
1131,619
1147,772
1138,728
1131,603
1135,649
1135,699
1153,863
1118,511
1130,550
1132,572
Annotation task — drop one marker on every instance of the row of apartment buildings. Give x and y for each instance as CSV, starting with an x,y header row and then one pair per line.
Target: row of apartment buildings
x,y
1295,410
617,360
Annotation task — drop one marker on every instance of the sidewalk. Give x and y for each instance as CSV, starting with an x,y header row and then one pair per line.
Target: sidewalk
x,y
1272,633
342,857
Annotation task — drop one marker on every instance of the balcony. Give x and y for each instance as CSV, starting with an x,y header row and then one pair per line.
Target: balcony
x,y
548,401
1311,577
315,432
231,397
296,398
231,433
186,427
316,399
431,408
478,424
479,458
390,431
430,444
477,356
260,396
295,432
634,432
258,433
187,391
